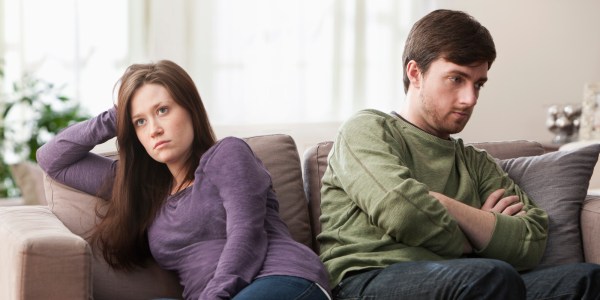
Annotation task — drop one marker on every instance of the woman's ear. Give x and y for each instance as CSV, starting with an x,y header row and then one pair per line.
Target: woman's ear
x,y
414,74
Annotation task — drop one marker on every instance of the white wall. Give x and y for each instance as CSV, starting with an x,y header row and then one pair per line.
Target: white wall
x,y
547,50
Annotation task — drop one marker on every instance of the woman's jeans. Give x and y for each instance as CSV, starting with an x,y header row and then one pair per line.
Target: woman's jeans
x,y
281,287
471,278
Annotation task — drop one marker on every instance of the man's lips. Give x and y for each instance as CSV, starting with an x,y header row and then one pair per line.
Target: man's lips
x,y
463,113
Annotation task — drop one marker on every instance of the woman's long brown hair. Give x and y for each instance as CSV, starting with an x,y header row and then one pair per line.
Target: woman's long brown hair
x,y
142,184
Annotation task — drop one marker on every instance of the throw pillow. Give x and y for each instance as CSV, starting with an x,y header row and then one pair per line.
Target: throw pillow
x,y
558,183
29,178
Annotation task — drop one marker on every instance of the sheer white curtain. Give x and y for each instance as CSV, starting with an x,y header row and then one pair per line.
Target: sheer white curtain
x,y
81,45
282,61
255,62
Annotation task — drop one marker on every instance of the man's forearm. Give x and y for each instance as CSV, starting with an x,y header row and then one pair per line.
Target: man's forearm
x,y
476,224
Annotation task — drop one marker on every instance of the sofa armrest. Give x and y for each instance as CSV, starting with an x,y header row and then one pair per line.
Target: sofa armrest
x,y
40,257
590,228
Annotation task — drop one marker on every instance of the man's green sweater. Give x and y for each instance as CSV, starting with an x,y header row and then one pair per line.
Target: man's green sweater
x,y
376,209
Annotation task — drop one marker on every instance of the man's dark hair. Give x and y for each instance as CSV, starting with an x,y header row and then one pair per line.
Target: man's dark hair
x,y
453,35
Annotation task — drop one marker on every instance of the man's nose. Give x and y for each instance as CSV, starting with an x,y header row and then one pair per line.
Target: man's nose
x,y
469,96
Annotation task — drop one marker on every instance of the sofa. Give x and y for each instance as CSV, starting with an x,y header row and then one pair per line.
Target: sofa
x,y
44,253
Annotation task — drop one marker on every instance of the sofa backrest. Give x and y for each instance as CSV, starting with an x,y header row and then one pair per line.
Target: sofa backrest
x,y
279,154
77,211
511,149
315,164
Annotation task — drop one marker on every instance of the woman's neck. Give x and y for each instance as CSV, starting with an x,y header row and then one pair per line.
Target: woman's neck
x,y
180,185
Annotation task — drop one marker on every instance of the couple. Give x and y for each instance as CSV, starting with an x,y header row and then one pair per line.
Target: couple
x,y
392,225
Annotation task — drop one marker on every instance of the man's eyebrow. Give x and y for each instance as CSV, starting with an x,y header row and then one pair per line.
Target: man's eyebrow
x,y
463,74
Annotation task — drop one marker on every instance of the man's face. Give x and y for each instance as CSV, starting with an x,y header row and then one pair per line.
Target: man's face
x,y
447,94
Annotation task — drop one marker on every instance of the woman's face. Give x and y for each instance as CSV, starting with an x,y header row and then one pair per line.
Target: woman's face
x,y
163,127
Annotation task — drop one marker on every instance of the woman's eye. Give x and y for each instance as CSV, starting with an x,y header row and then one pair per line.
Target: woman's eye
x,y
139,122
163,110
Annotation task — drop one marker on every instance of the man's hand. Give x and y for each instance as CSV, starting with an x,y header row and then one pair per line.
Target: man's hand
x,y
478,224
510,205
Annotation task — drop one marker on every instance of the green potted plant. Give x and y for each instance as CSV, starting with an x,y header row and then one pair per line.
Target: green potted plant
x,y
30,114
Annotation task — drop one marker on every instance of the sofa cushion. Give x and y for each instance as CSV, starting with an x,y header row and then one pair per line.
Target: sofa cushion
x,y
29,178
279,154
76,210
557,182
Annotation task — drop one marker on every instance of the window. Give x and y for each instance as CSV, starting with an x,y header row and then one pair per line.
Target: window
x,y
255,62
81,45
296,60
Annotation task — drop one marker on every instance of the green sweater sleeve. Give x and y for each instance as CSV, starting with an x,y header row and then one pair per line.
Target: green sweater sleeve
x,y
367,162
521,240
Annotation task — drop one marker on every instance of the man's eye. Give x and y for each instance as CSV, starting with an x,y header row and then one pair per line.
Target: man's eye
x,y
479,86
455,79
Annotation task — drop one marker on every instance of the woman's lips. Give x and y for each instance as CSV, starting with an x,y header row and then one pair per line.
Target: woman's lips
x,y
157,145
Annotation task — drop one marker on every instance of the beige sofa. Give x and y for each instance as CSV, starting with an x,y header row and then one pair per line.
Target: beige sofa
x,y
44,253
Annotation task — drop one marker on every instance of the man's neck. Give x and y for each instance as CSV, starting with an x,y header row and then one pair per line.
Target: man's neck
x,y
405,119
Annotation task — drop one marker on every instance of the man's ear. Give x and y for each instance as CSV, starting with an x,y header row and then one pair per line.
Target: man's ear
x,y
414,74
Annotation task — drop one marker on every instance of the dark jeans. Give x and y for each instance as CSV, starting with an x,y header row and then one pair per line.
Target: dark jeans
x,y
281,287
471,278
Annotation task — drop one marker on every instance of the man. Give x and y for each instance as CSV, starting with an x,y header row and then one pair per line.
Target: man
x,y
410,212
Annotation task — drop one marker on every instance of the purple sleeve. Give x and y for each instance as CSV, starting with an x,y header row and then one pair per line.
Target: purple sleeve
x,y
67,158
243,184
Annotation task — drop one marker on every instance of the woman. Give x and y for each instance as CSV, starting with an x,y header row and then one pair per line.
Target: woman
x,y
202,208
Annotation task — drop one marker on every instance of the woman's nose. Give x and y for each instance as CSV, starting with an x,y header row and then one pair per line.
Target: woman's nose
x,y
156,129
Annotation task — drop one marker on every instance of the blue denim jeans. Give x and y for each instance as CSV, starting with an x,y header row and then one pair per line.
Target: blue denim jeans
x,y
571,281
471,278
281,287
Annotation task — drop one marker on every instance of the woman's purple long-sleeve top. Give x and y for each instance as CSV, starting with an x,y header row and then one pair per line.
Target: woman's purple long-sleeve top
x,y
219,234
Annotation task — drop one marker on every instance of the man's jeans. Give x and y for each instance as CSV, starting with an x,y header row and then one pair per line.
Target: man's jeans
x,y
471,278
